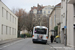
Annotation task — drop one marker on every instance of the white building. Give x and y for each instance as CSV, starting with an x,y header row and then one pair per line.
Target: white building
x,y
70,9
8,23
71,22
47,10
63,16
44,10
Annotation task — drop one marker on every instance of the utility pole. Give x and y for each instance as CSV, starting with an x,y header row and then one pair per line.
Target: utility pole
x,y
65,34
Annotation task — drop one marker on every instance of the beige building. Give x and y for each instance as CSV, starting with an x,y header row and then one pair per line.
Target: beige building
x,y
54,18
8,23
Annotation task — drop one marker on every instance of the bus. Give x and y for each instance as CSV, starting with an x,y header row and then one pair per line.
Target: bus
x,y
40,34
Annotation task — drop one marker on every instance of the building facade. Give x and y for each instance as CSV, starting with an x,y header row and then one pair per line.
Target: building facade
x,y
54,19
47,10
71,23
63,18
8,23
68,17
41,14
40,9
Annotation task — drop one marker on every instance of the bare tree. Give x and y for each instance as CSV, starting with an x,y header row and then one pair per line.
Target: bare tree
x,y
24,20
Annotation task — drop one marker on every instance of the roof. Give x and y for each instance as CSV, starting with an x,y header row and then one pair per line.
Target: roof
x,y
40,27
41,7
33,8
58,4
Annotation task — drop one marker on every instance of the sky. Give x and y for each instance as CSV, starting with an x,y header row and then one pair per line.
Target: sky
x,y
27,4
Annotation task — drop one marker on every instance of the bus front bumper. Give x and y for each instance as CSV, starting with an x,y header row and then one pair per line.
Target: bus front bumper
x,y
38,40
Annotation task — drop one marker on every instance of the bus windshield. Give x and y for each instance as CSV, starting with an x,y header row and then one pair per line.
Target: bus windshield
x,y
40,31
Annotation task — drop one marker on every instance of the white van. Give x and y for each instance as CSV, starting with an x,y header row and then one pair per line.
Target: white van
x,y
40,34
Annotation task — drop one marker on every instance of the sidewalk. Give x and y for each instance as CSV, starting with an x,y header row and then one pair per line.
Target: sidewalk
x,y
59,46
9,40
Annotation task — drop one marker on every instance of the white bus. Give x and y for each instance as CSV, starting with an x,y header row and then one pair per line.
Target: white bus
x,y
40,34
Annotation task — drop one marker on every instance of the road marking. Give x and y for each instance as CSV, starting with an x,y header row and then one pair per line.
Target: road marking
x,y
12,43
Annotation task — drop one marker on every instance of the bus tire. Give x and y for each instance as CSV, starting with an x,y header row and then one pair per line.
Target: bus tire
x,y
33,42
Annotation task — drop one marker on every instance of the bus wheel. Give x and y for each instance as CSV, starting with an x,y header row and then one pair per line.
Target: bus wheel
x,y
33,42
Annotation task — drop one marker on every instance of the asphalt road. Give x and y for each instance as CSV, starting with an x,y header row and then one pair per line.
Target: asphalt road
x,y
25,44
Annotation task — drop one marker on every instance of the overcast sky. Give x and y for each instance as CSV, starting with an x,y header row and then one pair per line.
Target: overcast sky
x,y
27,4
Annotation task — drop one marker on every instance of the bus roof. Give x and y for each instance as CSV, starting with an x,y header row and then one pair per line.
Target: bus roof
x,y
40,27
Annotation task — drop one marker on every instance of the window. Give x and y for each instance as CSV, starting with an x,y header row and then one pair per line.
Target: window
x,y
6,29
48,11
40,31
2,29
10,30
45,8
38,12
2,11
14,19
48,7
10,17
6,14
15,31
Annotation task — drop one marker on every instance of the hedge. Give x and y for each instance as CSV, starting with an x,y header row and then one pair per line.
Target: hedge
x,y
27,35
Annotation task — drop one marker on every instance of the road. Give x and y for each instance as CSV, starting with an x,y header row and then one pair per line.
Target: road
x,y
25,44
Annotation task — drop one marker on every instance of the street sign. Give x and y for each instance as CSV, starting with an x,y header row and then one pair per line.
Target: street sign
x,y
65,26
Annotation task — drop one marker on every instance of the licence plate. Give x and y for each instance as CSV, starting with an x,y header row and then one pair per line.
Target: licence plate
x,y
39,40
